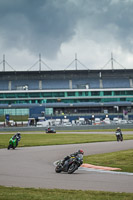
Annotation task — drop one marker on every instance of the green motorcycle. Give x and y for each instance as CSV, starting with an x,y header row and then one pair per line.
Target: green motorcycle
x,y
13,142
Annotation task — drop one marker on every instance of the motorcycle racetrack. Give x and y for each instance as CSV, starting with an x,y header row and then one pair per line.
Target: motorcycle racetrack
x,y
34,167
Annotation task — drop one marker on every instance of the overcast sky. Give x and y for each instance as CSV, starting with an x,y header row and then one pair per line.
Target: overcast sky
x,y
61,29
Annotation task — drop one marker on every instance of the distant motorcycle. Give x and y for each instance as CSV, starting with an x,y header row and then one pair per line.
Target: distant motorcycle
x,y
50,130
13,142
119,136
70,165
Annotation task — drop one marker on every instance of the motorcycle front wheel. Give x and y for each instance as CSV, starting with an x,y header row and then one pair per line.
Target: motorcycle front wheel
x,y
9,146
58,169
73,167
118,138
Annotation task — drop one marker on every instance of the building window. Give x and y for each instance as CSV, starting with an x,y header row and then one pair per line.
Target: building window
x,y
95,93
58,94
129,92
70,94
107,93
47,94
86,93
80,93
119,92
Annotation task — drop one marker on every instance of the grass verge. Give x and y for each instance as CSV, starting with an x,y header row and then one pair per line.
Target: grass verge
x,y
120,159
9,193
57,139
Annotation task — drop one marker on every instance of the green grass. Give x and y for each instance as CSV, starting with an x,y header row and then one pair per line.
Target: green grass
x,y
7,193
15,118
120,159
57,139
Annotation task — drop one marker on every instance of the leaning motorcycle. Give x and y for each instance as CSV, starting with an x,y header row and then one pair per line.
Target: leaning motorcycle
x,y
13,142
119,137
70,165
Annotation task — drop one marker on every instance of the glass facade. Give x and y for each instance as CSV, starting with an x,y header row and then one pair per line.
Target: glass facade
x,y
12,111
95,89
66,96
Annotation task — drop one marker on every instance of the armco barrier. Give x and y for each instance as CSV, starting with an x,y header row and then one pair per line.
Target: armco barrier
x,y
64,128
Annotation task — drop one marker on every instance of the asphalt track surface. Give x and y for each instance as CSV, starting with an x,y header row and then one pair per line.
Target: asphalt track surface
x,y
33,167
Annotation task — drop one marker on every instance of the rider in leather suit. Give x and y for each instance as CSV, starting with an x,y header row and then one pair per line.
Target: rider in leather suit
x,y
18,137
79,153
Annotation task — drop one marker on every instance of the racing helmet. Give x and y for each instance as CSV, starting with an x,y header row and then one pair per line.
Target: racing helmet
x,y
80,151
18,134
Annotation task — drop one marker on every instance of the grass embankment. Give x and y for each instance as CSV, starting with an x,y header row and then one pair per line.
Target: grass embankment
x,y
57,139
7,193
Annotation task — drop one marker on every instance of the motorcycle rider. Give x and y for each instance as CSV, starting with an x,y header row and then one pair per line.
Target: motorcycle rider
x,y
49,128
79,154
118,130
18,137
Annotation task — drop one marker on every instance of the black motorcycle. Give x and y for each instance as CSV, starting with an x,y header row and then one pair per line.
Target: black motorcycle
x,y
119,136
70,165
50,130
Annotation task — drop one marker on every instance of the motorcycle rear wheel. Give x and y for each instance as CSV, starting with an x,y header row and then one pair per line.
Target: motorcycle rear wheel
x,y
73,167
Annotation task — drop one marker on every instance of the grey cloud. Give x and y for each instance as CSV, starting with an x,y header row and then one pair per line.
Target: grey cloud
x,y
37,25
112,17
43,25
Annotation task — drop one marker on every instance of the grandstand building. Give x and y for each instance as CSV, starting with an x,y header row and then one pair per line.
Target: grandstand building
x,y
66,92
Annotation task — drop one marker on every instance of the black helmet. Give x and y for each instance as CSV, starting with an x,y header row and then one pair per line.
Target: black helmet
x,y
81,151
18,134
